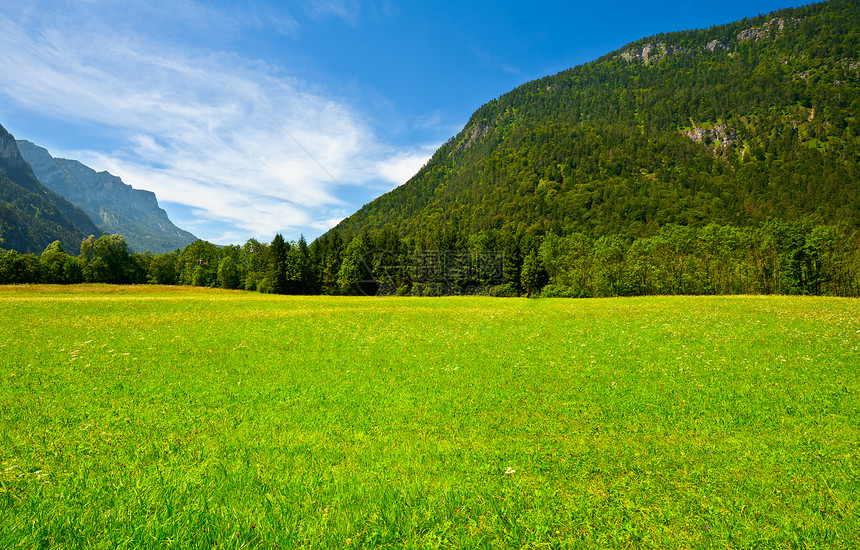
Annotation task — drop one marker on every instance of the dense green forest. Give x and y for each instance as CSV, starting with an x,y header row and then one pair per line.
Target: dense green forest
x,y
778,257
731,125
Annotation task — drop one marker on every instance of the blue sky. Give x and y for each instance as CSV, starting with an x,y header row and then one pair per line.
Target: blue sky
x,y
251,118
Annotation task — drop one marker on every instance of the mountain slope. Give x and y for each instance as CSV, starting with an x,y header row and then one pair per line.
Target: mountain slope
x,y
32,216
732,124
115,206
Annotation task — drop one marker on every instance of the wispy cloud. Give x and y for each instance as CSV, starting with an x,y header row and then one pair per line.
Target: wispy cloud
x,y
347,10
196,126
493,60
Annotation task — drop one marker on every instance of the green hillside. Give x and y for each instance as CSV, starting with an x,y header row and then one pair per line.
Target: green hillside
x,y
730,125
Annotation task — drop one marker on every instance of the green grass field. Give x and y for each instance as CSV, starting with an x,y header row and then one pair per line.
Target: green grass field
x,y
156,417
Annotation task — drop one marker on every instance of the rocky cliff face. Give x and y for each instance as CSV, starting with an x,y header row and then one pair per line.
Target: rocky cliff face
x,y
758,33
31,215
650,53
9,153
653,52
115,206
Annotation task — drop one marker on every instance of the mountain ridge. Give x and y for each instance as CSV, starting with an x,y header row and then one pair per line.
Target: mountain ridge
x,y
31,215
113,205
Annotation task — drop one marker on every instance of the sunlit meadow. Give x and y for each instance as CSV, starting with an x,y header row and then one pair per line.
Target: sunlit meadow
x,y
139,417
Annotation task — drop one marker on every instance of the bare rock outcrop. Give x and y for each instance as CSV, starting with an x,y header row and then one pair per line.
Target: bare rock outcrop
x,y
716,139
757,33
715,45
476,133
655,51
650,53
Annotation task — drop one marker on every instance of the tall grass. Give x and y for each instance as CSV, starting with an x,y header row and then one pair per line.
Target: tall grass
x,y
138,417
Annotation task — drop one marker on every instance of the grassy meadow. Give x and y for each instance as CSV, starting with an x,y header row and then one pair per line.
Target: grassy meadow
x,y
159,417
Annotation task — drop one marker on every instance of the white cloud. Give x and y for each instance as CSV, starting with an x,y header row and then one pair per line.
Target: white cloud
x,y
232,138
400,167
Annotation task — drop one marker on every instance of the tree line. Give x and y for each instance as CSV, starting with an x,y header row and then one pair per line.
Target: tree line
x,y
776,257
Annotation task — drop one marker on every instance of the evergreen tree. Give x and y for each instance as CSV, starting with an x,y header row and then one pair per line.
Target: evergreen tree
x,y
277,265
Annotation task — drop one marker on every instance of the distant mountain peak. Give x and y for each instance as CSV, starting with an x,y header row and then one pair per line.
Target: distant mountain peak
x,y
31,215
9,153
115,206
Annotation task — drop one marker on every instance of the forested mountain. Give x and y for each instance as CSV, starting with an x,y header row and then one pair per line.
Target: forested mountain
x,y
32,216
731,125
114,206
